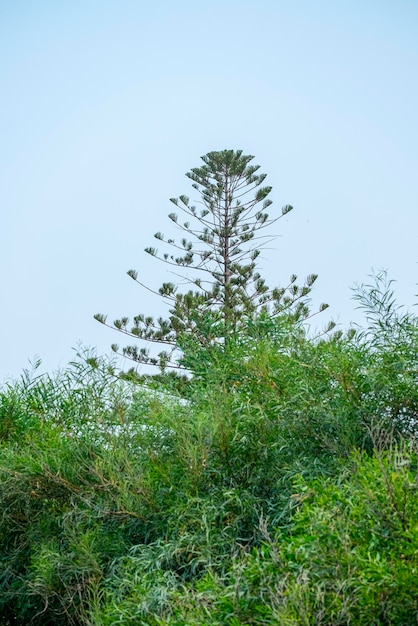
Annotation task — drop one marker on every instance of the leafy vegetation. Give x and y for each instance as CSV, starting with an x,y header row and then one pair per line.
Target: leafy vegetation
x,y
281,491
276,484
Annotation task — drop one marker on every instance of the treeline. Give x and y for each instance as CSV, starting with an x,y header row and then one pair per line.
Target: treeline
x,y
279,487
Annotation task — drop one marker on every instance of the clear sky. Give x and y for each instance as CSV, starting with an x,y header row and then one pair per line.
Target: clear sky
x,y
105,105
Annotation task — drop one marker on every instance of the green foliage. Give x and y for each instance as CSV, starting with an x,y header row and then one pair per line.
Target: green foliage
x,y
276,486
350,556
352,553
220,242
391,337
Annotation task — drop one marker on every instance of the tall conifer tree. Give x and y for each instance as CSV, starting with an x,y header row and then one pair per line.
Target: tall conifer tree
x,y
222,237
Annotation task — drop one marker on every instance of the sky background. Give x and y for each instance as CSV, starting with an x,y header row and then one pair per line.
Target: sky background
x,y
106,105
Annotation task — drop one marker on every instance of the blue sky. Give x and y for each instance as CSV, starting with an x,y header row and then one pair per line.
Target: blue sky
x,y
105,106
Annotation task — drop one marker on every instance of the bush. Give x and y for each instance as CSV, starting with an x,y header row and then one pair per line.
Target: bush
x,y
280,490
350,556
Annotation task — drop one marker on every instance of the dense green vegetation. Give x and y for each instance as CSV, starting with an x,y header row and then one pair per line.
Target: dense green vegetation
x,y
275,483
280,486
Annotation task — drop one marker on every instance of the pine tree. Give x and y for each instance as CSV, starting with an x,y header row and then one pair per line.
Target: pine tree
x,y
222,238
